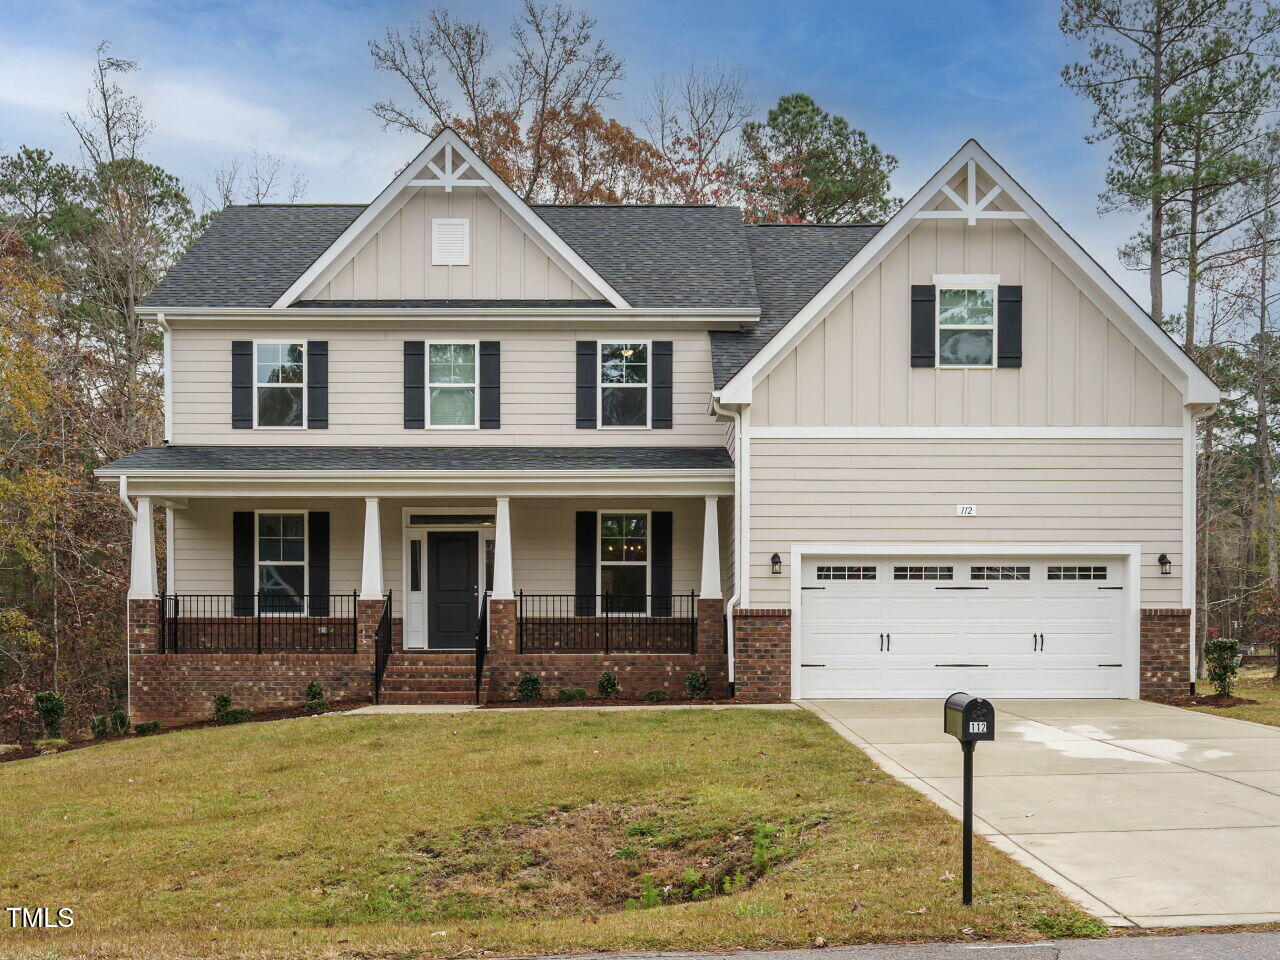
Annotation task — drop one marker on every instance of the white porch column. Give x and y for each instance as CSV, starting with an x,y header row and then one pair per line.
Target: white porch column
x,y
142,559
503,580
710,589
371,569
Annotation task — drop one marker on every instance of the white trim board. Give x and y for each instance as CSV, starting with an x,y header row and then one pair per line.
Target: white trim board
x,y
396,194
1131,553
968,433
1117,305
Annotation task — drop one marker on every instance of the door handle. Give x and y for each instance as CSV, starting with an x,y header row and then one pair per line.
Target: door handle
x,y
882,643
1035,643
1042,643
888,641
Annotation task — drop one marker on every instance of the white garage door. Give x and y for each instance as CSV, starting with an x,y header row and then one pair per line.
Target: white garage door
x,y
927,627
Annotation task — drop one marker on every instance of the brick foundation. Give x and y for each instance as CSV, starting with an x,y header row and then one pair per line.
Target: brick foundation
x,y
1166,653
762,655
637,672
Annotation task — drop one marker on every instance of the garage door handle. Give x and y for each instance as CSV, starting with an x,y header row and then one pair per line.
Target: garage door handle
x,y
962,664
813,588
813,664
1111,664
962,588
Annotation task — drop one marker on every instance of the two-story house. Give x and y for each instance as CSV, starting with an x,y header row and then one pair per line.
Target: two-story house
x,y
418,448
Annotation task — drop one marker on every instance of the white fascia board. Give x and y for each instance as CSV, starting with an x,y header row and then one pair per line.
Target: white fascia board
x,y
1155,343
393,198
967,433
736,319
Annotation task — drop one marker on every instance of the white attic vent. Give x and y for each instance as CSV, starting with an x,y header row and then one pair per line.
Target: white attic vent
x,y
450,242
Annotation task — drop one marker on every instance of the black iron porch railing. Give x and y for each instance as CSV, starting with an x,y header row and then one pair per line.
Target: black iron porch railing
x,y
482,642
607,623
262,623
381,648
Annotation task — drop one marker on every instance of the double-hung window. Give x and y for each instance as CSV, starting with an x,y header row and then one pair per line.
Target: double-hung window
x,y
451,384
280,378
966,321
282,562
624,562
624,385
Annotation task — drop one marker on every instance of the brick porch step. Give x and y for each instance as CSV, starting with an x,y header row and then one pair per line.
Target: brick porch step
x,y
414,677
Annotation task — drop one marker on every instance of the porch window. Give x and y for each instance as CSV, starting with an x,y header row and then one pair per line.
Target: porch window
x,y
451,384
280,375
966,324
624,385
624,562
282,562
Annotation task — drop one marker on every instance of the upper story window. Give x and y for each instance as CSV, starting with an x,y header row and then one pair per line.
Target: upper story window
x,y
966,321
451,384
450,242
624,562
282,562
624,385
280,378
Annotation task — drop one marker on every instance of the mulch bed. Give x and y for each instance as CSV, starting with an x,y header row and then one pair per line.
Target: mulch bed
x,y
601,702
1207,700
258,716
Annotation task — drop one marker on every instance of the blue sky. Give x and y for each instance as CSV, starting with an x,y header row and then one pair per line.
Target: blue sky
x,y
293,77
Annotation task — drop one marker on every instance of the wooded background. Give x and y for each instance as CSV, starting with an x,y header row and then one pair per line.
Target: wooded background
x,y
1185,94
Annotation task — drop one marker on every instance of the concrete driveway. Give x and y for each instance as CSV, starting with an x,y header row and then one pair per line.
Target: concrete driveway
x,y
1144,814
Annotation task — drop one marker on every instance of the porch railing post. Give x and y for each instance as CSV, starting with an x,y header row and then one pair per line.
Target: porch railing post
x,y
258,618
162,624
355,621
604,609
693,613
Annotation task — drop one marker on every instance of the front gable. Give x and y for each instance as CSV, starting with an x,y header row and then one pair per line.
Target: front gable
x,y
509,252
972,218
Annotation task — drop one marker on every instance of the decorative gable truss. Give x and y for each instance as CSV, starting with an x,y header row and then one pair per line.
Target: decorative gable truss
x,y
972,186
447,167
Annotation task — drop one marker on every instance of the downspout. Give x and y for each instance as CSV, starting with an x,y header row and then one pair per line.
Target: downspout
x,y
167,358
732,602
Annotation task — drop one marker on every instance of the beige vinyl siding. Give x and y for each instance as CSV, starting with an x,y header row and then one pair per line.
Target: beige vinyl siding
x,y
395,263
542,539
366,385
854,368
1026,491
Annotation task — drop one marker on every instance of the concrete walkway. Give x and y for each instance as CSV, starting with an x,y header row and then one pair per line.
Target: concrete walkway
x,y
1144,814
387,708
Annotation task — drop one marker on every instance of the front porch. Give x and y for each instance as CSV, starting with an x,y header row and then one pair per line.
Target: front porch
x,y
422,599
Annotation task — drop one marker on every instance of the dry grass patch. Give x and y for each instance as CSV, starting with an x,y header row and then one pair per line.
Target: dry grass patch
x,y
516,833
1259,685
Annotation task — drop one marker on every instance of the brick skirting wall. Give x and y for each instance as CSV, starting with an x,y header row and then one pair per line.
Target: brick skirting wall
x,y
1166,653
637,673
762,654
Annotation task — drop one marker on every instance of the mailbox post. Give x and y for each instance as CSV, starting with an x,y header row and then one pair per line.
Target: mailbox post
x,y
968,719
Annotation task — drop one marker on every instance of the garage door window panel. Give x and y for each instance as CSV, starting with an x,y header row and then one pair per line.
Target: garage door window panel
x,y
1075,572
923,573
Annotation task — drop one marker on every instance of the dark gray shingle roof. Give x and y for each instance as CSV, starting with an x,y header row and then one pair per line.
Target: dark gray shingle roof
x,y
249,255
198,457
662,256
790,263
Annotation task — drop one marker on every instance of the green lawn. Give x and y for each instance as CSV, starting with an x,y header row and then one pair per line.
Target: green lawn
x,y
1253,685
513,832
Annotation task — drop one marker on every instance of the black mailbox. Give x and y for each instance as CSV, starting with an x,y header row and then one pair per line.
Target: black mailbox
x,y
969,718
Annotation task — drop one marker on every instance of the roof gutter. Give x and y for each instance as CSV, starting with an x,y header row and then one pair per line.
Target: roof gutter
x,y
559,313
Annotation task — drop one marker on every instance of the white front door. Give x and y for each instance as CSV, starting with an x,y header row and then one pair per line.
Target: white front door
x,y
996,627
415,596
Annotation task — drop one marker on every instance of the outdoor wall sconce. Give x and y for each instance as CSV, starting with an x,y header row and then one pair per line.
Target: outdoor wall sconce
x,y
775,562
1166,565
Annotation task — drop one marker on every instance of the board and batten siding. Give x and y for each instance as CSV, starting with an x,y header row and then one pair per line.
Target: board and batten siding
x,y
854,367
395,263
1026,491
542,539
366,384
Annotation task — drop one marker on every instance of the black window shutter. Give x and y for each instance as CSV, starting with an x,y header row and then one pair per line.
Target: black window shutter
x,y
242,384
242,567
1009,326
585,565
587,354
662,376
923,318
490,385
318,563
317,384
415,385
660,564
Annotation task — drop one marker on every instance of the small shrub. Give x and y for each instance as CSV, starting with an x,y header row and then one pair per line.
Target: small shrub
x,y
52,708
529,688
1222,658
236,715
318,705
608,686
50,744
314,692
221,704
571,694
650,895
656,696
1076,925
149,727
99,726
697,684
120,720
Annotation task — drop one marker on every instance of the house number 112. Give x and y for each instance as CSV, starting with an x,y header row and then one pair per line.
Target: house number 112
x,y
966,510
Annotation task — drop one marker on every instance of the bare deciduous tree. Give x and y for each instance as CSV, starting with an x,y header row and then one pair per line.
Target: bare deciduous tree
x,y
261,178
